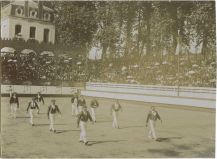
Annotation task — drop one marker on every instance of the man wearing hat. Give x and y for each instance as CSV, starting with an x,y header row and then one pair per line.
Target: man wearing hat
x,y
83,117
53,109
150,122
31,107
39,99
14,103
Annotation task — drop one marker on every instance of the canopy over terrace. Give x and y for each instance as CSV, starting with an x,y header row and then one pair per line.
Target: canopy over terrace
x,y
27,52
47,53
7,50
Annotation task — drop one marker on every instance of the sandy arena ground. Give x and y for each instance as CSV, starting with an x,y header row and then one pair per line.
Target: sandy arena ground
x,y
183,133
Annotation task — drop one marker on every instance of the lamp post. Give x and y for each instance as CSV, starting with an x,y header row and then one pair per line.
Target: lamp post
x,y
179,48
86,61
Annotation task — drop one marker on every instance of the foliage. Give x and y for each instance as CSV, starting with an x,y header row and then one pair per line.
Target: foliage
x,y
134,28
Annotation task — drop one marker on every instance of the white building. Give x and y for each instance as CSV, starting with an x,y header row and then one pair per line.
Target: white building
x,y
29,20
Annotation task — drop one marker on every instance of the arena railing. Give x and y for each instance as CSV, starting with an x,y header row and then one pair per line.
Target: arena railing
x,y
195,92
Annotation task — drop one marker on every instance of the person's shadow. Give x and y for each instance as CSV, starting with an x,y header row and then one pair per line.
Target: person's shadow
x,y
47,124
64,131
90,143
167,139
126,127
22,117
104,121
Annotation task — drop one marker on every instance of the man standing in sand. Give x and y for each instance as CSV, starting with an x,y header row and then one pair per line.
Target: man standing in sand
x,y
93,105
53,109
81,103
40,100
115,110
14,104
74,102
31,107
83,117
151,121
10,91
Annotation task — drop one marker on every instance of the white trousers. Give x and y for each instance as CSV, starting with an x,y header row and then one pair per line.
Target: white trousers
x,y
80,109
51,119
31,115
74,109
83,133
151,133
115,119
39,105
93,115
13,109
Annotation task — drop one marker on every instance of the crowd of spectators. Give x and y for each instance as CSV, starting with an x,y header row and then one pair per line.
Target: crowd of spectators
x,y
35,68
194,73
32,67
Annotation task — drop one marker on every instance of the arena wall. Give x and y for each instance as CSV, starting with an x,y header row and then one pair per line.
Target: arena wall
x,y
30,90
183,96
194,92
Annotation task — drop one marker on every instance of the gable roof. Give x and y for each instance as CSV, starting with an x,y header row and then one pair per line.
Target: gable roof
x,y
31,4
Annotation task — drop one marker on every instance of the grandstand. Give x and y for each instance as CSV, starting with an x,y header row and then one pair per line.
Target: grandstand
x,y
42,69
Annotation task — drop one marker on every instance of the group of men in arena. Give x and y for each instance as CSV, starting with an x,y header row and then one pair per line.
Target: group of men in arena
x,y
80,111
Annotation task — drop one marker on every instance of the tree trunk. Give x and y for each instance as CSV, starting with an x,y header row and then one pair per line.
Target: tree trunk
x,y
148,18
104,49
204,46
174,17
129,28
139,33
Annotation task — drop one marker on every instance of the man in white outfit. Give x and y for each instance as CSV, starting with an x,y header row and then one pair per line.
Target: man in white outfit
x,y
40,100
114,110
53,109
81,103
83,117
14,104
10,91
74,101
150,122
31,107
93,105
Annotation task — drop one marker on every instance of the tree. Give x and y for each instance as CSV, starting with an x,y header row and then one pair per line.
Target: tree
x,y
75,23
203,23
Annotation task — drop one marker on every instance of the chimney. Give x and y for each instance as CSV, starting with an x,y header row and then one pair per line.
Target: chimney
x,y
40,9
26,8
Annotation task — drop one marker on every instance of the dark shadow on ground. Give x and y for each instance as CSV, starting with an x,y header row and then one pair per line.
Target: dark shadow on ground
x,y
183,147
125,127
207,153
100,142
22,117
104,121
26,117
63,131
165,152
42,113
167,139
47,124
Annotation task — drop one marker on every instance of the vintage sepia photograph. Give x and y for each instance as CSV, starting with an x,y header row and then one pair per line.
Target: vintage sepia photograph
x,y
108,79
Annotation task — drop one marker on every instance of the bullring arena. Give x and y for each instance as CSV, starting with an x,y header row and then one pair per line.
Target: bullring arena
x,y
185,131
